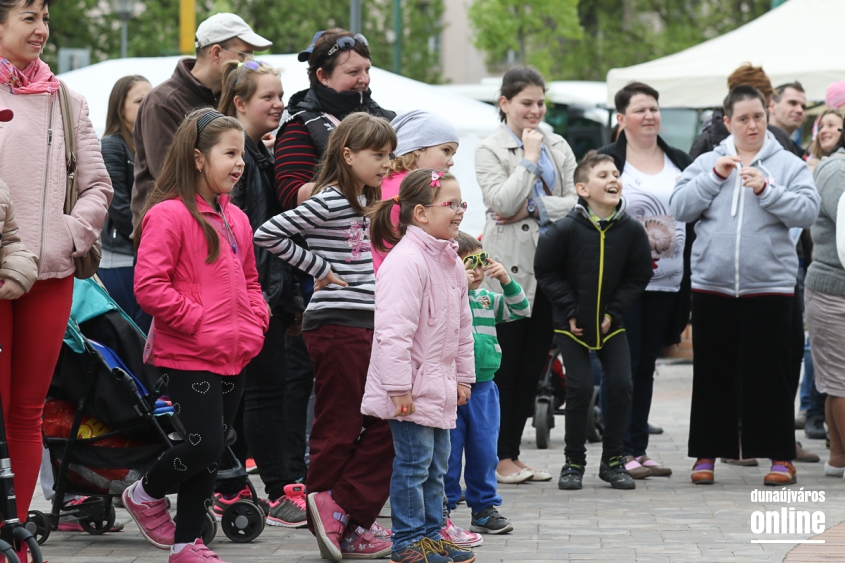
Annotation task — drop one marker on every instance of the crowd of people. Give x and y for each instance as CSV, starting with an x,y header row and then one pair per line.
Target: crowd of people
x,y
301,276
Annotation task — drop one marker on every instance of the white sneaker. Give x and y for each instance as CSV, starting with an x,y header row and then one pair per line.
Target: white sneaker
x,y
832,471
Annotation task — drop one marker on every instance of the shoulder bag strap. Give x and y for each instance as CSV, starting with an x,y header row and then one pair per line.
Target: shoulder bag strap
x,y
72,193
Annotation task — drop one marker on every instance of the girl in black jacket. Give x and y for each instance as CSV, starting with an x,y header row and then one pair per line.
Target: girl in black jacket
x,y
592,265
117,270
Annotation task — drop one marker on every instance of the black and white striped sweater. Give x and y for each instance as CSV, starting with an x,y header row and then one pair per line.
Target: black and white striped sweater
x,y
338,240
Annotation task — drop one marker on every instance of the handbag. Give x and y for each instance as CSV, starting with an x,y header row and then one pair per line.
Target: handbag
x,y
87,264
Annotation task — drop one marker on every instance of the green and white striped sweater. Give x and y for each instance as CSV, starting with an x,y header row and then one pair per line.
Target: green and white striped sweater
x,y
489,309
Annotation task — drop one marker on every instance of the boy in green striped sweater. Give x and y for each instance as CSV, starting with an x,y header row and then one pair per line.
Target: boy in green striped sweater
x,y
477,431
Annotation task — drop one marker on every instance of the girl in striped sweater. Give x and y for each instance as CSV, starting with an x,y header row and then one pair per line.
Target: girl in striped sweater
x,y
349,474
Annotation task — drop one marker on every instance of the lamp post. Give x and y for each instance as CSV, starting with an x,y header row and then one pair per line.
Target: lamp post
x,y
123,9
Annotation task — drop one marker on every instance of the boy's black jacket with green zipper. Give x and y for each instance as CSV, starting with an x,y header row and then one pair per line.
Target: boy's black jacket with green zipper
x,y
590,269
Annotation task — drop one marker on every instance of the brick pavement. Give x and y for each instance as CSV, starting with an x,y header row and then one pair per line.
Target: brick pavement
x,y
665,520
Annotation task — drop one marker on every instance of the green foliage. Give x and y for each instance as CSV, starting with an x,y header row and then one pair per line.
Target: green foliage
x,y
616,33
290,24
533,29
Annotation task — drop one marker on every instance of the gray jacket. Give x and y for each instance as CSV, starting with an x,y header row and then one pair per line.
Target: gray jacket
x,y
742,244
826,274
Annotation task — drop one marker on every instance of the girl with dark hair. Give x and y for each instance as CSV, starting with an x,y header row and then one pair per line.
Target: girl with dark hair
x,y
196,276
118,145
32,164
525,174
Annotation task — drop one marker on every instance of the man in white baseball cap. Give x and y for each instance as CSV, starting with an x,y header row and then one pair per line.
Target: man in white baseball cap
x,y
195,83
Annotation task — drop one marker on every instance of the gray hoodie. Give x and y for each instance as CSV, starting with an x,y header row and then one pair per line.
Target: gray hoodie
x,y
742,244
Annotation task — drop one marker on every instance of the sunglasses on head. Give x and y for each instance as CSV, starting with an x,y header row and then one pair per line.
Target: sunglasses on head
x,y
472,261
347,42
251,65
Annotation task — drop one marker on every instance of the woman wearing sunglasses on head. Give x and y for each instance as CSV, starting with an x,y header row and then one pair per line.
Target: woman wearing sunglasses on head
x,y
525,175
339,72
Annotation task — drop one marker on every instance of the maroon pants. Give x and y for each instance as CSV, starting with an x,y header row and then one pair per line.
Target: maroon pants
x,y
351,454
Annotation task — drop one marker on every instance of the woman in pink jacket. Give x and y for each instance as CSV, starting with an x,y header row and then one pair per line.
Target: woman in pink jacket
x,y
196,277
422,362
32,163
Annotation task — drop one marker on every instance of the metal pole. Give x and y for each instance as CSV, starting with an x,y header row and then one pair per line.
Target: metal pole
x,y
355,16
124,36
397,30
187,26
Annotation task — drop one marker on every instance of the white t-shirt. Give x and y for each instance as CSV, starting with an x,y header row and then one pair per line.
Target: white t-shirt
x,y
648,202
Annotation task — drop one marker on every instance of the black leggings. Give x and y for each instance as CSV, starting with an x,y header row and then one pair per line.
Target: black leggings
x,y
525,346
616,360
206,404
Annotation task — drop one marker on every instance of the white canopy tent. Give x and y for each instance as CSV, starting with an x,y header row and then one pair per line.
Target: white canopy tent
x,y
474,120
799,40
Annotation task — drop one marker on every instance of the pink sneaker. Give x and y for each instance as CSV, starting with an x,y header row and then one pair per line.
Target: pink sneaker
x,y
381,533
152,518
362,544
459,536
329,521
195,553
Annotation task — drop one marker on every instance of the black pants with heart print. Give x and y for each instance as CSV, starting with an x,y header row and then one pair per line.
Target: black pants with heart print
x,y
206,404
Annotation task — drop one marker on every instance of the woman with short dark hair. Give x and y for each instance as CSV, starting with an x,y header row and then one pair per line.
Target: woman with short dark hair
x,y
746,195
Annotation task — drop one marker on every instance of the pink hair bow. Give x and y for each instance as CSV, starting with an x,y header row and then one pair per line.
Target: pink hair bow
x,y
435,178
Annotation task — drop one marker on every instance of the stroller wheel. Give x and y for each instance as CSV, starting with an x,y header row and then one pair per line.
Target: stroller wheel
x,y
242,521
97,527
209,528
542,426
595,425
38,526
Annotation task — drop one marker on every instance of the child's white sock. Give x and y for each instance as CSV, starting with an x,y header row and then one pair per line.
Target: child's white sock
x,y
177,547
139,495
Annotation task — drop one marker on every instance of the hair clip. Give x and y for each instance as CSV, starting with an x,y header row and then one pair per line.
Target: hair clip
x,y
435,178
396,198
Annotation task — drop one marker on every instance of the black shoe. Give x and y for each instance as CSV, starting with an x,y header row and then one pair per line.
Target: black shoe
x,y
570,476
489,521
814,429
614,472
654,429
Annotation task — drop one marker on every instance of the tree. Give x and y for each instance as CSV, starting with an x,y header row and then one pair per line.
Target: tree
x,y
531,29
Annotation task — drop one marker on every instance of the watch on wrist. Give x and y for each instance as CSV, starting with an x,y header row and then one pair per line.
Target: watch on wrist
x,y
531,207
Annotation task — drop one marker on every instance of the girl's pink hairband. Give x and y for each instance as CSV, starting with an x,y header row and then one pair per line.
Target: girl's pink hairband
x,y
435,178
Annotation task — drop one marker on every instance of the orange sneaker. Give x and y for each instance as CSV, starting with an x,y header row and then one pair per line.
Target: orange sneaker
x,y
702,471
781,473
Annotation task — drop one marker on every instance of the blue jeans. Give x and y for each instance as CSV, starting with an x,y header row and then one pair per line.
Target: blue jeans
x,y
416,487
476,433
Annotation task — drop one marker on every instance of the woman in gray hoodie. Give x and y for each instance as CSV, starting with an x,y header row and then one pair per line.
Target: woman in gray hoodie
x,y
745,195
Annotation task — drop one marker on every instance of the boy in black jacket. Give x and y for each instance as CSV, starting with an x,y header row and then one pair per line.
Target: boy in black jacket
x,y
592,265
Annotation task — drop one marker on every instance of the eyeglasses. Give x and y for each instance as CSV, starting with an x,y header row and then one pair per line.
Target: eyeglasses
x,y
244,55
251,65
472,261
455,205
346,42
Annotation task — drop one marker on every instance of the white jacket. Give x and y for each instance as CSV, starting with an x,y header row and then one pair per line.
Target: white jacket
x,y
505,185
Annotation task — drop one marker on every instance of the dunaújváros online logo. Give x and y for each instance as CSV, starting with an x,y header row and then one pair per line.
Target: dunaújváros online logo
x,y
793,517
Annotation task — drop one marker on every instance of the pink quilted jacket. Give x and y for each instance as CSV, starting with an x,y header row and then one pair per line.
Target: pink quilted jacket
x,y
423,332
32,163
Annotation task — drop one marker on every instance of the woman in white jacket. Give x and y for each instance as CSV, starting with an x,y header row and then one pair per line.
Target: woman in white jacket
x,y
525,175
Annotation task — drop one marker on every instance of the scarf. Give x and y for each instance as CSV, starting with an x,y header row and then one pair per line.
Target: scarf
x,y
341,104
36,78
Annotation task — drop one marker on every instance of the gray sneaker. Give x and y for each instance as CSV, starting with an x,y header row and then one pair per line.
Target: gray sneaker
x,y
288,510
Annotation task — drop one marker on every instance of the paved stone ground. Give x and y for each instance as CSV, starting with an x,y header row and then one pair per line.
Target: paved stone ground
x,y
665,520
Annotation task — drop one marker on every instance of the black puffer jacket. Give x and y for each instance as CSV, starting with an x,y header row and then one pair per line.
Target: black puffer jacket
x,y
714,132
590,270
120,163
255,195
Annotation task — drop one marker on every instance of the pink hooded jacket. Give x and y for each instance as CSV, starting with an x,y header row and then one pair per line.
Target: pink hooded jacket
x,y
423,332
32,163
206,317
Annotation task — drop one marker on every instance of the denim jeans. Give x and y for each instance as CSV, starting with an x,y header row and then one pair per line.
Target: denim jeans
x,y
416,487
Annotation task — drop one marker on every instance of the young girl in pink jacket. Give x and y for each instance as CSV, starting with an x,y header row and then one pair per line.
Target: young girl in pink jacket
x,y
422,362
196,277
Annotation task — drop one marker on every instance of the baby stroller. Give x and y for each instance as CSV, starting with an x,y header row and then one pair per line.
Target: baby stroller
x,y
551,400
12,530
108,420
